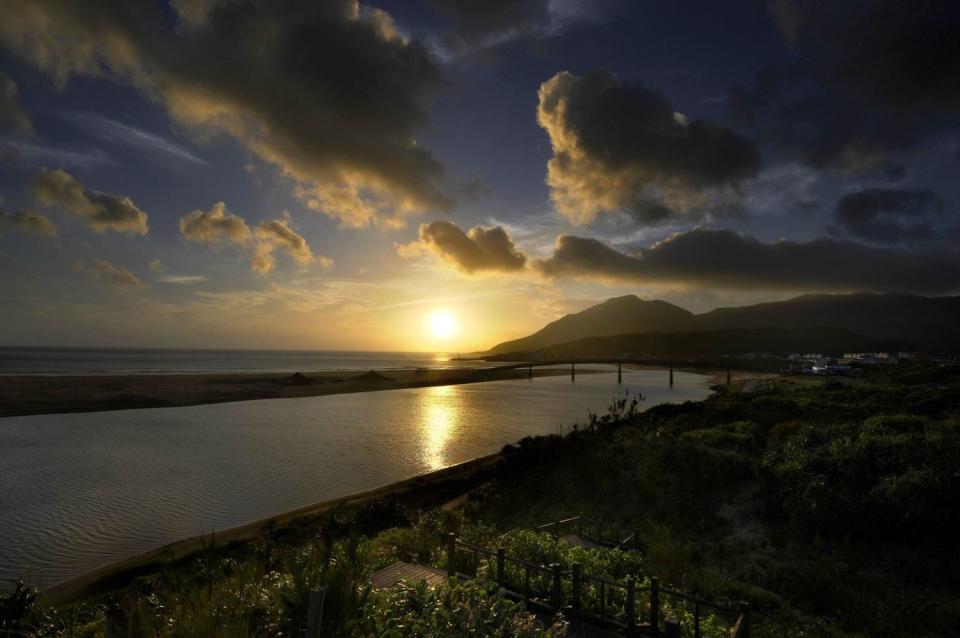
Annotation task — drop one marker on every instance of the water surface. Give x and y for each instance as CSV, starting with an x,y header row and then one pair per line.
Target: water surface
x,y
83,490
104,361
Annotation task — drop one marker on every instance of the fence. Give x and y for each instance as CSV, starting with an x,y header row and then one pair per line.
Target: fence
x,y
594,530
598,600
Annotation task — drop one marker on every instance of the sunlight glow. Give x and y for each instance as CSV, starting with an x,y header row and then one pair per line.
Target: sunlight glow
x,y
441,324
438,424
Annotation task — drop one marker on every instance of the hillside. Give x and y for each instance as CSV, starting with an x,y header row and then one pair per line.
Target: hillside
x,y
927,323
717,342
619,315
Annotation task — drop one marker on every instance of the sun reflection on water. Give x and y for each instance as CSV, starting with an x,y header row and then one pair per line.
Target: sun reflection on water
x,y
439,419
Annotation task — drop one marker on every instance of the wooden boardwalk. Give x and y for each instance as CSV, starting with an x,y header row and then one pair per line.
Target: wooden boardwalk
x,y
576,541
391,575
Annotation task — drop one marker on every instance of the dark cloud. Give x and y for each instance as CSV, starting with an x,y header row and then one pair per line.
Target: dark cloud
x,y
100,211
870,79
725,259
329,93
12,115
889,215
619,146
477,250
28,221
215,226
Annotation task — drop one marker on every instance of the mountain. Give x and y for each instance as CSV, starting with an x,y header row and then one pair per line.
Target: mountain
x,y
718,342
928,323
619,315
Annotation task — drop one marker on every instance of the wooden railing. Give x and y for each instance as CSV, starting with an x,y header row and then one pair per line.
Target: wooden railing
x,y
595,530
612,604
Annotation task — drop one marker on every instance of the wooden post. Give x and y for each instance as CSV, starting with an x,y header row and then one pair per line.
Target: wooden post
x,y
631,607
580,526
451,555
530,371
654,606
318,596
696,619
728,376
672,628
573,372
619,373
671,376
556,529
577,587
744,620
555,593
501,567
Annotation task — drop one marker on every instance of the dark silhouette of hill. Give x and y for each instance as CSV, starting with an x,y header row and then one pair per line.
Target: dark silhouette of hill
x,y
717,342
928,323
619,315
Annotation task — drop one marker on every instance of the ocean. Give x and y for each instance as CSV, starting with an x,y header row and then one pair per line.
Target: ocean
x,y
117,361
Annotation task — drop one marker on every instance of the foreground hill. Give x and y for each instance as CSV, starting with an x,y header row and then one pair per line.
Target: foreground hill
x,y
619,315
927,323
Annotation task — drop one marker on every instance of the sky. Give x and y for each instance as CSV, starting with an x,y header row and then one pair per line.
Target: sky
x,y
343,175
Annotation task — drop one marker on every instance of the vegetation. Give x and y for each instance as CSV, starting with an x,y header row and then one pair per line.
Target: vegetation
x,y
829,505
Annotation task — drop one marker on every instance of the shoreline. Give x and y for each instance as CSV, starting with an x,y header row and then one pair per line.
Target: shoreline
x,y
432,489
28,395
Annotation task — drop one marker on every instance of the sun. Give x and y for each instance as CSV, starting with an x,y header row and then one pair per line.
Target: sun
x,y
441,324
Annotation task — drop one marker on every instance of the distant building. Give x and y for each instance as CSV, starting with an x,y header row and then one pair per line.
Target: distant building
x,y
830,369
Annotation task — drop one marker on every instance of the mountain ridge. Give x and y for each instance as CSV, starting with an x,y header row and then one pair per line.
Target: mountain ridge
x,y
927,323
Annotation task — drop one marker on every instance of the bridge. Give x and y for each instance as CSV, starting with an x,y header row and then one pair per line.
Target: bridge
x,y
530,365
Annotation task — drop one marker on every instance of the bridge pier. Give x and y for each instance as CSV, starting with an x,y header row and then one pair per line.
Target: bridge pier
x,y
619,373
573,372
671,376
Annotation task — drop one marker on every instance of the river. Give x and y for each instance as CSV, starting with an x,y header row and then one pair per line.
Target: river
x,y
83,490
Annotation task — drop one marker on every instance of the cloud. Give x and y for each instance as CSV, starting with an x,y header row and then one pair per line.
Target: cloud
x,y
475,24
110,273
28,221
728,260
151,144
215,226
21,153
218,226
12,115
618,146
100,211
277,234
478,250
181,279
868,81
330,94
890,215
